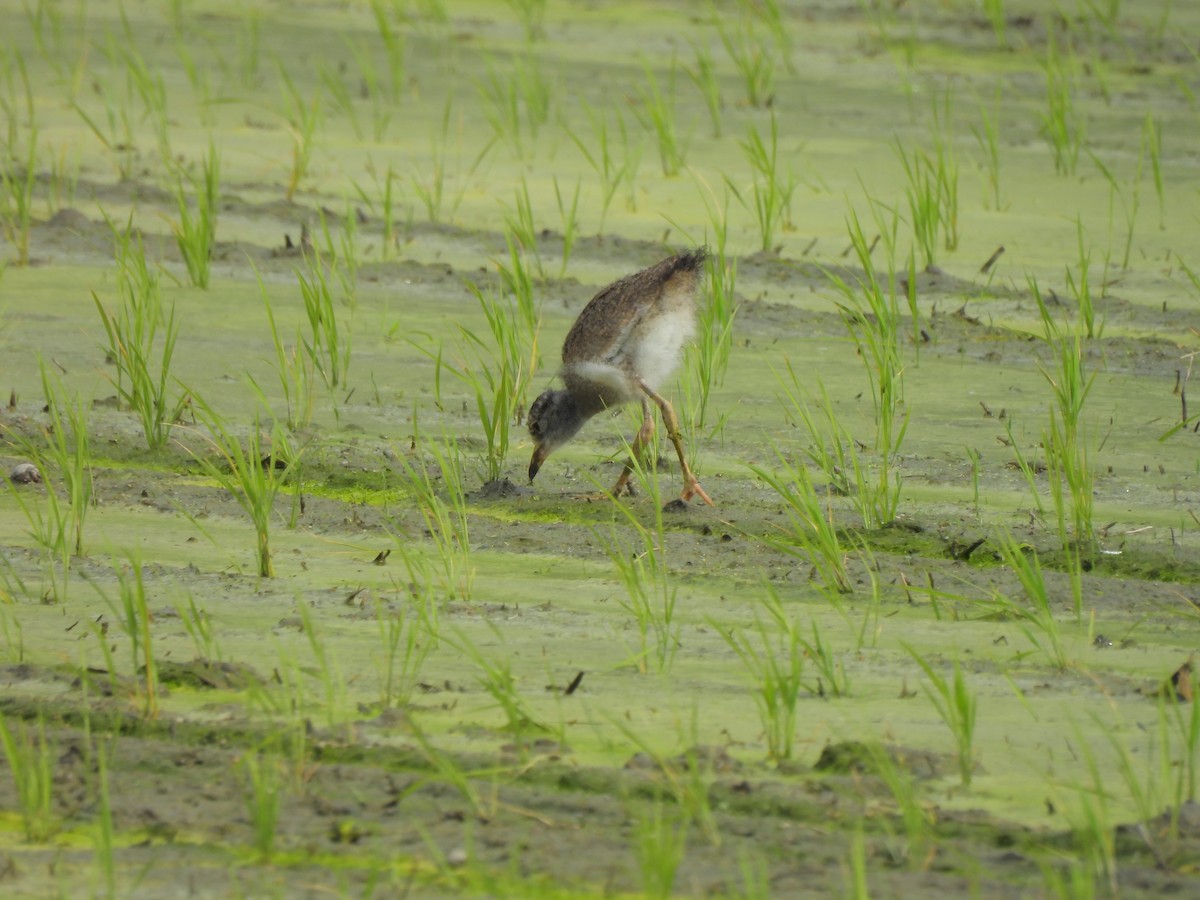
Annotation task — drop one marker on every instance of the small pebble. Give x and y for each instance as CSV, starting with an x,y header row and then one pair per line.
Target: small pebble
x,y
25,473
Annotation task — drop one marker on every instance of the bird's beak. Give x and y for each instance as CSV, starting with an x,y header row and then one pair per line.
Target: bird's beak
x,y
539,456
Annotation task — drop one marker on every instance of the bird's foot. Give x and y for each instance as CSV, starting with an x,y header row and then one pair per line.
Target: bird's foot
x,y
691,488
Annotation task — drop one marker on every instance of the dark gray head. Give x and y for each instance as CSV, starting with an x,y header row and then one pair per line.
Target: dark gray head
x,y
554,418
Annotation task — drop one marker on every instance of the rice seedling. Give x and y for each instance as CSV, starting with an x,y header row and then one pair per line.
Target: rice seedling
x,y
517,102
295,366
569,218
831,672
919,846
1129,207
1182,722
252,474
117,132
531,15
775,664
754,59
403,655
302,118
812,534
1092,829
641,565
445,518
373,87
521,227
332,684
704,75
68,446
872,316
141,341
196,230
134,617
16,199
987,136
660,839
931,189
327,344
394,49
340,99
1036,620
998,19
31,764
103,839
1065,440
495,676
10,626
956,705
199,626
770,198
384,206
686,777
429,180
497,367
657,114
263,801
1152,147
1063,124
600,152
708,357
858,887
148,82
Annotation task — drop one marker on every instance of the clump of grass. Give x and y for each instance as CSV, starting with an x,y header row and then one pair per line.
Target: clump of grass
x,y
31,763
302,117
497,366
770,198
775,660
196,230
429,179
657,112
754,59
1063,123
871,312
957,706
328,344
660,839
1065,439
812,533
639,558
16,199
403,656
987,136
704,75
600,150
252,474
133,614
262,799
518,102
1037,619
141,341
433,479
296,369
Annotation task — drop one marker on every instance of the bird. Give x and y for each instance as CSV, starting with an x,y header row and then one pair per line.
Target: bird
x,y
623,347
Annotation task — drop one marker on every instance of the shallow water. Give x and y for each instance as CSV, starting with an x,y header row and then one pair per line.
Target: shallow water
x,y
372,792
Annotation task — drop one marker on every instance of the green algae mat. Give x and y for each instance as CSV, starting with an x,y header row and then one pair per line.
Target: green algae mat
x,y
282,615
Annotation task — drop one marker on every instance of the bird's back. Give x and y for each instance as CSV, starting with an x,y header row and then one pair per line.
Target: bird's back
x,y
613,319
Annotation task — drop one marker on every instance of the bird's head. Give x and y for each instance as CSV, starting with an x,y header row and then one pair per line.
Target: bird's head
x,y
553,419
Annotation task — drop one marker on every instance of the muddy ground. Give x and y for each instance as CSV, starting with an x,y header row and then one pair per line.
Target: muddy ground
x,y
537,744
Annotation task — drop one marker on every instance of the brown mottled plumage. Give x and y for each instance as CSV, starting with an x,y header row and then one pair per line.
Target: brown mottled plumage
x,y
623,347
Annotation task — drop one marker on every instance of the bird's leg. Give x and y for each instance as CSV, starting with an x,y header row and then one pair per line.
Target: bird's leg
x,y
644,436
691,485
